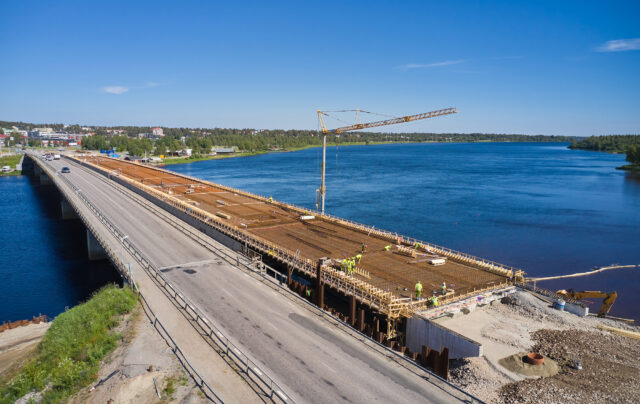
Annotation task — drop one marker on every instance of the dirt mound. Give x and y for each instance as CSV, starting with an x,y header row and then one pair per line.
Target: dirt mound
x,y
516,363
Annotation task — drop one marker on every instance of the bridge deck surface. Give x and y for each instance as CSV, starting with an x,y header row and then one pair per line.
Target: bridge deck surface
x,y
389,270
311,358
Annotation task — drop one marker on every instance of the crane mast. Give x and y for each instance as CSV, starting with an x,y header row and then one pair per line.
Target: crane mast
x,y
358,126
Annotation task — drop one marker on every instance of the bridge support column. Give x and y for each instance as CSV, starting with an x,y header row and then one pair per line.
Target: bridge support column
x,y
66,210
94,249
319,286
44,179
352,310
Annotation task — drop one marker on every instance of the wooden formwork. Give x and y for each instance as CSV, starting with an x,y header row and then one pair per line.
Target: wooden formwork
x,y
383,280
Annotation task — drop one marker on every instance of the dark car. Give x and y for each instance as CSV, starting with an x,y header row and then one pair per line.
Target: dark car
x,y
65,170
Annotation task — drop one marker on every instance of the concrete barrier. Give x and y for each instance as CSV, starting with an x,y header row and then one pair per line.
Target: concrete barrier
x,y
577,309
421,331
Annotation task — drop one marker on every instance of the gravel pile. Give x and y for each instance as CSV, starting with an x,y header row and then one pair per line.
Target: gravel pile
x,y
477,376
611,369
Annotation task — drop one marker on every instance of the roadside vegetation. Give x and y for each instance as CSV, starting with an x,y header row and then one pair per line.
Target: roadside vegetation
x,y
622,144
10,161
69,356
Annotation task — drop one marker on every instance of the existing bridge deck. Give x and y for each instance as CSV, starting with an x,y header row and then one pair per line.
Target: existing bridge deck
x,y
388,270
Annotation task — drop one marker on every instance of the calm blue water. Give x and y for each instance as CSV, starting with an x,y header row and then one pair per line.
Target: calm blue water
x,y
43,260
540,207
536,206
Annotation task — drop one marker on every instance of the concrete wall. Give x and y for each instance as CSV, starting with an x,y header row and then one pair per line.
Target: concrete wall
x,y
421,332
576,309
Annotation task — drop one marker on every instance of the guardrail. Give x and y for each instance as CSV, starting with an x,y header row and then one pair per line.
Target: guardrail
x,y
375,297
276,279
242,361
391,236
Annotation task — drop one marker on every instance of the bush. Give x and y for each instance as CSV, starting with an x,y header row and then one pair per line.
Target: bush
x,y
68,358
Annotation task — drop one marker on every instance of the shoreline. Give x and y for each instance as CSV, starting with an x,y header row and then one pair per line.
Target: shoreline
x,y
186,160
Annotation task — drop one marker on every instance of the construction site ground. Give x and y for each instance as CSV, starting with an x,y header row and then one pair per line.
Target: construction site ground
x,y
142,367
524,323
388,270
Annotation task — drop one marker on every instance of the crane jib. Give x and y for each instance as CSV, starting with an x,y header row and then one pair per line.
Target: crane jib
x,y
392,121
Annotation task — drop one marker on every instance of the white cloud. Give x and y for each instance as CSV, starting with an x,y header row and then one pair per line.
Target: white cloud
x,y
620,45
115,89
437,64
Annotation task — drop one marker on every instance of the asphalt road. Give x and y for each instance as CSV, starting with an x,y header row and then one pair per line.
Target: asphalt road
x,y
311,359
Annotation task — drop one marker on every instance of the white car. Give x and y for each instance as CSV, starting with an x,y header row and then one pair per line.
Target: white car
x,y
6,169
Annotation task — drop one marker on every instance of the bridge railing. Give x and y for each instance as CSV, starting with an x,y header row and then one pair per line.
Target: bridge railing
x,y
485,264
226,346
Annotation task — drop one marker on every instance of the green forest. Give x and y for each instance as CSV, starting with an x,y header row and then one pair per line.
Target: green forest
x,y
609,143
200,140
628,144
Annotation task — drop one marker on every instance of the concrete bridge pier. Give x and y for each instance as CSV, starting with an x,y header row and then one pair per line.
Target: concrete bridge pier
x,y
66,210
94,249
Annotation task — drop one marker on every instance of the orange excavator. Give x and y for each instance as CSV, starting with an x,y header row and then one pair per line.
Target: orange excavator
x,y
609,298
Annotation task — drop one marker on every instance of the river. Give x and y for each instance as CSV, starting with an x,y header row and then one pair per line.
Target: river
x,y
537,206
43,259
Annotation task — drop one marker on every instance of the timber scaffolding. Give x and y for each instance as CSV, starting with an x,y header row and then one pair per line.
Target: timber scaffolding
x,y
235,213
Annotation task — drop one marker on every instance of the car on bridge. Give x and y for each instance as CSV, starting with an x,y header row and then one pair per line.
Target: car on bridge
x,y
65,170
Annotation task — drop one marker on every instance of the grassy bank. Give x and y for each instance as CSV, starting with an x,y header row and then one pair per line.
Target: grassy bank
x,y
68,358
630,167
10,161
183,160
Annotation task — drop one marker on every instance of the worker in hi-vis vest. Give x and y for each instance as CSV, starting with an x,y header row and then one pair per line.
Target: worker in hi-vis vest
x,y
444,288
418,290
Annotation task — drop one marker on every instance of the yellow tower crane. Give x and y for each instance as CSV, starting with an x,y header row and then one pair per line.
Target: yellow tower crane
x,y
358,126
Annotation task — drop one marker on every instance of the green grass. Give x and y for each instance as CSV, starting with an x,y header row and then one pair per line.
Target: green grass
x,y
629,167
10,161
69,356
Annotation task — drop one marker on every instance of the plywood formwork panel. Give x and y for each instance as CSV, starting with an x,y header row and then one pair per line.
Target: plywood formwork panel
x,y
393,271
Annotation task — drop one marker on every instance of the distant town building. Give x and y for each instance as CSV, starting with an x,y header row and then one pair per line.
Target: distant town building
x,y
43,130
223,150
157,132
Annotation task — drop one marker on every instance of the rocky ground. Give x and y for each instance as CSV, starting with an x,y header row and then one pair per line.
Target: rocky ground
x,y
142,362
611,363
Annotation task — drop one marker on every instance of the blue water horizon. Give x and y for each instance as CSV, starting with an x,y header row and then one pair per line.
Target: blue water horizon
x,y
537,206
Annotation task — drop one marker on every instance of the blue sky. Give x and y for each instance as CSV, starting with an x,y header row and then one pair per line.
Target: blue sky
x,y
568,67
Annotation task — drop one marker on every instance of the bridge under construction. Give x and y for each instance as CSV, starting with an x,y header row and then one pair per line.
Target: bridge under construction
x,y
310,246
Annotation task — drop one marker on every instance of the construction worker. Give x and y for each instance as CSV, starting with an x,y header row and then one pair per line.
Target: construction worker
x,y
443,288
358,258
434,301
387,248
270,199
309,293
364,247
418,290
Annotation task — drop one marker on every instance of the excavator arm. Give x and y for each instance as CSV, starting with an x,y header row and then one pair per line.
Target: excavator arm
x,y
609,298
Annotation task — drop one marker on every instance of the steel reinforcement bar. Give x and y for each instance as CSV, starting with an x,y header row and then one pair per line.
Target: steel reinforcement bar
x,y
487,265
368,294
